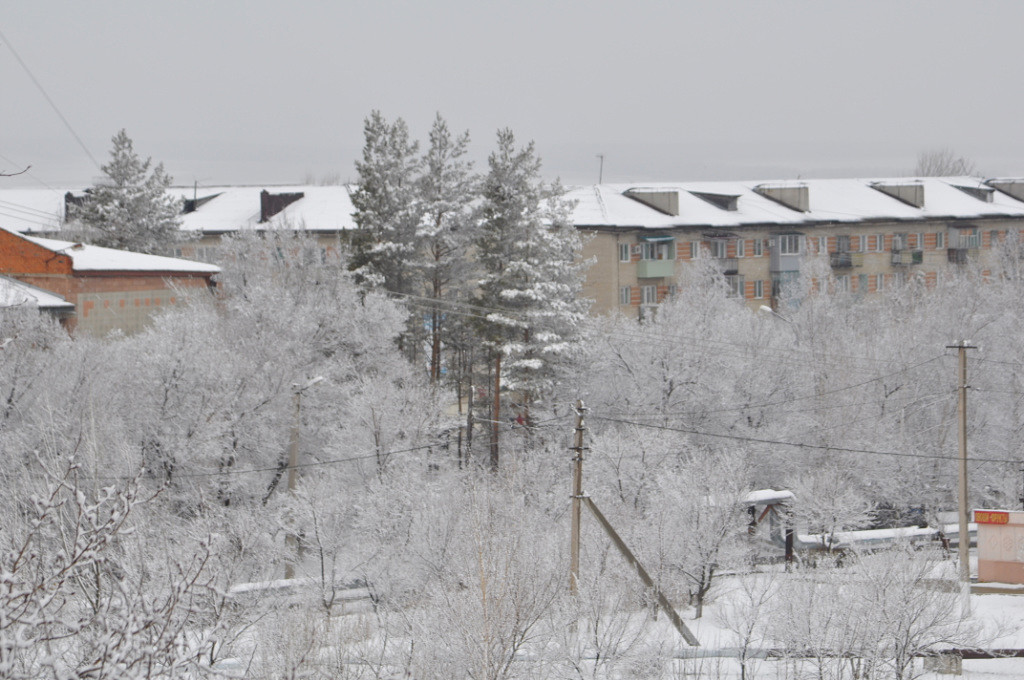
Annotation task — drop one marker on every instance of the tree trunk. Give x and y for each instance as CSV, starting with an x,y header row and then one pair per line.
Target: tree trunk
x,y
496,413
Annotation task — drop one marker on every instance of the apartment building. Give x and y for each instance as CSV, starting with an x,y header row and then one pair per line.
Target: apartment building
x,y
866,234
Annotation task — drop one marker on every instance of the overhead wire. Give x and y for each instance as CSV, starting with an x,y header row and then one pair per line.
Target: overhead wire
x,y
801,445
53,104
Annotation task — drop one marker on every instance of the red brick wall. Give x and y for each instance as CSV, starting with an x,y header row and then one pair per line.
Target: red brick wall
x,y
21,256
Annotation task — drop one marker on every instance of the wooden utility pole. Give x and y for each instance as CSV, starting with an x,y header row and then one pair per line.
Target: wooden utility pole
x,y
673,616
291,541
964,534
577,497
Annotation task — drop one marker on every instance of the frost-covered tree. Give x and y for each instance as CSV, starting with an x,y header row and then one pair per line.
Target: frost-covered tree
x,y
387,211
943,163
131,208
531,275
447,189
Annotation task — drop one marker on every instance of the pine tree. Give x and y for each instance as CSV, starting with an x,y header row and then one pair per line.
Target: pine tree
x,y
132,210
387,211
446,189
529,252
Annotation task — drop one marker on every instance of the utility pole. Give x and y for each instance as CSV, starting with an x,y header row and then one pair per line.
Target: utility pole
x,y
577,497
600,172
291,540
964,535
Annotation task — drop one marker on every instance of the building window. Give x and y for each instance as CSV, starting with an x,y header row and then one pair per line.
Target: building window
x,y
624,255
736,285
862,283
879,243
789,244
658,250
993,239
672,290
843,244
822,245
719,248
879,283
649,295
940,240
625,295
741,247
758,247
694,250
919,241
899,242
843,283
759,289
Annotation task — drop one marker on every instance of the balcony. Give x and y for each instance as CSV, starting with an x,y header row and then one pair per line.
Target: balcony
x,y
846,260
907,257
961,255
655,269
728,265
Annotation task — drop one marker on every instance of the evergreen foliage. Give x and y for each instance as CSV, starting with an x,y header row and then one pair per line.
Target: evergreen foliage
x,y
529,253
387,209
131,211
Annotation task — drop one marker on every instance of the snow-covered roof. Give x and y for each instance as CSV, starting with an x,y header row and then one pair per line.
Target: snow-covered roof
x,y
736,204
14,293
320,208
86,258
228,208
767,497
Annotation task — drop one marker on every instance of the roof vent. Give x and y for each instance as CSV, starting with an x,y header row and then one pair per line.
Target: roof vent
x,y
1011,187
978,192
662,200
271,204
911,193
793,196
190,205
721,201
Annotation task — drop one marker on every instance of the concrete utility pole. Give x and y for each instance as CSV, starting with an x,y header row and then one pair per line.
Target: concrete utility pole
x,y
577,497
964,534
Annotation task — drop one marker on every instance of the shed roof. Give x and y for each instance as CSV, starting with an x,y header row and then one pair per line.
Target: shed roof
x,y
14,293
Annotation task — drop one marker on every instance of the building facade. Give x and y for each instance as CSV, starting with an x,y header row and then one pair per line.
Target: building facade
x,y
109,289
866,235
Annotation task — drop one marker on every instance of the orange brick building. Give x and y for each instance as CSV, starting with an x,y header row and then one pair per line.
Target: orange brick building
x,y
110,289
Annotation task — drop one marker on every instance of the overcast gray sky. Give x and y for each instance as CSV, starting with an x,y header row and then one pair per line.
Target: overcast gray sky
x,y
266,91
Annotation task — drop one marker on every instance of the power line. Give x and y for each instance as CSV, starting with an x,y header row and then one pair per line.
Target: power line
x,y
53,105
334,461
800,445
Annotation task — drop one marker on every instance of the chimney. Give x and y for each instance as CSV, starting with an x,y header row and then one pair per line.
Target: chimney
x,y
272,204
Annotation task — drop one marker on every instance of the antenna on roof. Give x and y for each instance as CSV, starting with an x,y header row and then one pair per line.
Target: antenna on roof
x,y
600,172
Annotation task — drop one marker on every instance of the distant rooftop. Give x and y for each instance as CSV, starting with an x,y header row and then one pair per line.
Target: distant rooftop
x,y
794,203
86,258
